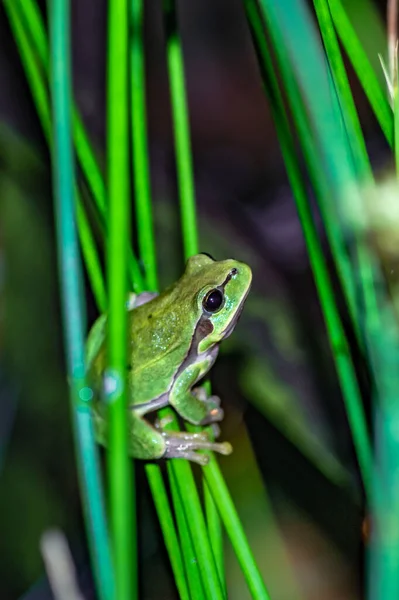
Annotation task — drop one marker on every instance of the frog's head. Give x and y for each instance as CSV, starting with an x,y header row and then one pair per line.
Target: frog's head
x,y
221,289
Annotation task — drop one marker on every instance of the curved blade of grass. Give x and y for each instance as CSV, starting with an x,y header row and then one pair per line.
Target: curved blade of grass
x,y
365,72
231,521
257,515
339,344
120,466
27,14
181,474
71,286
141,171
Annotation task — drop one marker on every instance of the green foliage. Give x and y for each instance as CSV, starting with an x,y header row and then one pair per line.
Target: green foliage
x,y
308,90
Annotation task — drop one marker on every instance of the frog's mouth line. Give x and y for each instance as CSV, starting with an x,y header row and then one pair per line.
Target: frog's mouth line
x,y
230,328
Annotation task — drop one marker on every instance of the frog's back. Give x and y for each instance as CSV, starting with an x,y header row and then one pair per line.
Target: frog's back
x,y
160,334
157,347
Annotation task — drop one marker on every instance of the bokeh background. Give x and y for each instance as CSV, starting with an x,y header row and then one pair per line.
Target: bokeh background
x,y
293,474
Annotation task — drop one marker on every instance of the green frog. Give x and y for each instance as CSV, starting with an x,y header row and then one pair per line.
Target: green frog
x,y
173,341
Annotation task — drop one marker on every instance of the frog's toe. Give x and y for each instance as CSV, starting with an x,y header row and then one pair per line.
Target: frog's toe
x,y
201,394
215,414
214,400
191,455
200,436
184,447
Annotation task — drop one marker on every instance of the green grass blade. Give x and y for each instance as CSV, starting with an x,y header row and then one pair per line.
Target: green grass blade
x,y
338,342
30,21
146,240
141,170
181,130
350,116
365,72
148,256
191,565
185,174
365,264
90,257
383,573
184,480
215,532
235,530
41,100
36,79
120,466
71,286
31,15
318,174
32,71
187,199
166,521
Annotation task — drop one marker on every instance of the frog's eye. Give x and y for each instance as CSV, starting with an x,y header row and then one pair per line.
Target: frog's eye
x,y
213,301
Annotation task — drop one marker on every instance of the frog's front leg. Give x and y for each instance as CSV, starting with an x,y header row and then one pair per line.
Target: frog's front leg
x,y
195,405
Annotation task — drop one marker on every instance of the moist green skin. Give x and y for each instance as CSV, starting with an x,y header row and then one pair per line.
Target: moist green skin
x,y
172,343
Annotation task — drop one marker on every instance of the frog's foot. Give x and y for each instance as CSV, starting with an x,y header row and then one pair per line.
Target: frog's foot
x,y
162,423
215,413
181,444
214,427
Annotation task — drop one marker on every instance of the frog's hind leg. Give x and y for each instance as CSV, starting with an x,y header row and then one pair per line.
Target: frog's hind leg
x,y
149,443
144,441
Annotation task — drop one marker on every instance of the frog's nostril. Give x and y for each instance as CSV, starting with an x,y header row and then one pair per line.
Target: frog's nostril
x,y
233,272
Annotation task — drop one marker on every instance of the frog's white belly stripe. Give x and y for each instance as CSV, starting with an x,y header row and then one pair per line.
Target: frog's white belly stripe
x,y
152,405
